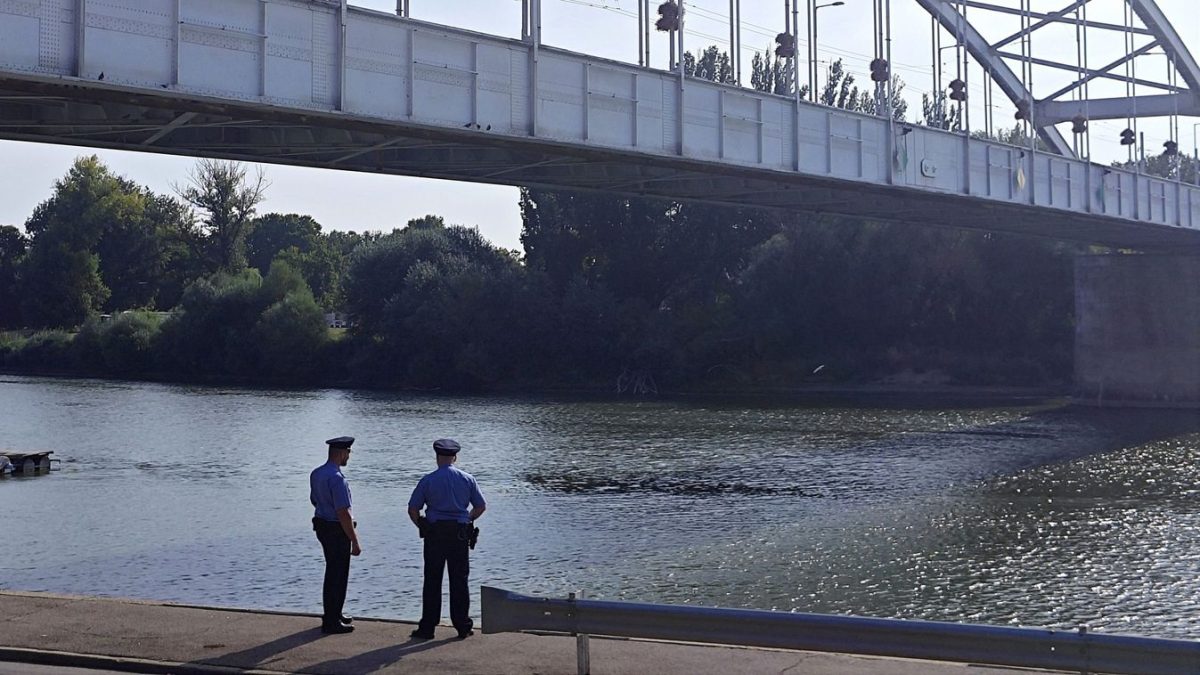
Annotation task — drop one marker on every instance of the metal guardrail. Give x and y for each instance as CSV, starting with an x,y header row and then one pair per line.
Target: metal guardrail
x,y
506,611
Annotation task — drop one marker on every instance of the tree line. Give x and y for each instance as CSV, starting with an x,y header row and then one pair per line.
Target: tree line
x,y
111,279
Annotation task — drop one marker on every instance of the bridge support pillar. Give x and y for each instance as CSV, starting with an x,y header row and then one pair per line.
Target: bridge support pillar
x,y
1137,330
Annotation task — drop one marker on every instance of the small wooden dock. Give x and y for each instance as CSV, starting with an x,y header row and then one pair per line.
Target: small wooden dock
x,y
26,463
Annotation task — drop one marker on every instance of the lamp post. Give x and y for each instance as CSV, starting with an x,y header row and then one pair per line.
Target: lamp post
x,y
1195,154
939,93
812,84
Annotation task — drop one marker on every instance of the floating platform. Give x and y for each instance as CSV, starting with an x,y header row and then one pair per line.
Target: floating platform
x,y
27,463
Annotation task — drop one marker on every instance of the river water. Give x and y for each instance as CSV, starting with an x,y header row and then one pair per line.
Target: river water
x,y
1037,515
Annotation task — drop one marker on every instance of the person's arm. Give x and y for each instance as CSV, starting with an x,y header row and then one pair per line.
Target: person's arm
x,y
478,503
347,521
477,511
415,502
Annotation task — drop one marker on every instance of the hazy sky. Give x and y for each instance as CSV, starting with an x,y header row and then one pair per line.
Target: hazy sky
x,y
357,201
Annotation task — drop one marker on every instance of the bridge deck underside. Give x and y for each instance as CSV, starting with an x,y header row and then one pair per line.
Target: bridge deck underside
x,y
44,110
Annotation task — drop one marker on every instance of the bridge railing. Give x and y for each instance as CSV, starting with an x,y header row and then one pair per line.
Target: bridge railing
x,y
506,611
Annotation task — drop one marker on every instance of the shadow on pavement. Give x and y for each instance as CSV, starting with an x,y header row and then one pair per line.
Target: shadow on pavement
x,y
255,656
378,659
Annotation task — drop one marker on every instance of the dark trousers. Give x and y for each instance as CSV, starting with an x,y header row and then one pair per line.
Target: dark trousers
x,y
446,547
336,546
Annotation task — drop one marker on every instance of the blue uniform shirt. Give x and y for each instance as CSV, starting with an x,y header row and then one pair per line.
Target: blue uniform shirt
x,y
328,491
446,493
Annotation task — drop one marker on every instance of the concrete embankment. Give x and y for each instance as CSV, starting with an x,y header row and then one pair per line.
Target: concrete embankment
x,y
151,637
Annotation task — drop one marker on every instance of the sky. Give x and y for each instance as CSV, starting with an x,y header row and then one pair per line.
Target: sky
x,y
345,200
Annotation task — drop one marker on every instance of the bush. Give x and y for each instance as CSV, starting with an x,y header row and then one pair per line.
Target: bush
x,y
290,335
44,350
128,342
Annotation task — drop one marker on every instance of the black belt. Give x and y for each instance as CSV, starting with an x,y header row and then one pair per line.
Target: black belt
x,y
330,523
443,523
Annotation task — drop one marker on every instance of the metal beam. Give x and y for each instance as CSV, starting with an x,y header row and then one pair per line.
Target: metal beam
x,y
1155,20
1012,86
171,126
1096,73
1071,20
1053,17
1093,74
1119,108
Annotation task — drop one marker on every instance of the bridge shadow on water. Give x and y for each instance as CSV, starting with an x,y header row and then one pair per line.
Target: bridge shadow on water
x,y
1101,430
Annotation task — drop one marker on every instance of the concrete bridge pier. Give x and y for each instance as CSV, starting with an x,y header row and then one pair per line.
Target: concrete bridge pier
x,y
1137,330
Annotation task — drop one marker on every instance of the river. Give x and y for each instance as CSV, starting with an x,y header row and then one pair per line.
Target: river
x,y
1034,515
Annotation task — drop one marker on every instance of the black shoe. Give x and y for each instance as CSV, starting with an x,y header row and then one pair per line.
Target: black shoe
x,y
336,629
464,634
347,620
422,634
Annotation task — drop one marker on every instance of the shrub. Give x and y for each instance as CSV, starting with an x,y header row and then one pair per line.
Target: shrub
x,y
127,342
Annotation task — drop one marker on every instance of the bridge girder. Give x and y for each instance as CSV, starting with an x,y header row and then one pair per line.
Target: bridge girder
x,y
51,112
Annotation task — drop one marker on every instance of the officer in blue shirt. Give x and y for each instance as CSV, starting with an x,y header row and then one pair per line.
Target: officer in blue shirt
x,y
447,528
334,525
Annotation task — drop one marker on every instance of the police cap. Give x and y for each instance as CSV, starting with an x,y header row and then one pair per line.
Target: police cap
x,y
446,446
340,443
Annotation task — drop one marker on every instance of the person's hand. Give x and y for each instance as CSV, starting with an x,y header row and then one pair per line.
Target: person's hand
x,y
355,549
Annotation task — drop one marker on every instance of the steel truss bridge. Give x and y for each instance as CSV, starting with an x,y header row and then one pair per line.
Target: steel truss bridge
x,y
319,83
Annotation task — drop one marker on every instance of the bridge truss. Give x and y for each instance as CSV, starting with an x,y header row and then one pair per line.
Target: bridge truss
x,y
1008,62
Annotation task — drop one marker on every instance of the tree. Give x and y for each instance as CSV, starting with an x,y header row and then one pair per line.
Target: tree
x,y
13,246
132,232
712,64
142,260
869,102
939,113
276,232
1174,167
221,190
437,305
773,75
60,285
60,278
291,330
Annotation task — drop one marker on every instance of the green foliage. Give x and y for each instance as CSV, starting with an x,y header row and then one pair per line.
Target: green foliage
x,y
100,242
44,351
13,246
640,292
228,199
208,335
60,286
940,112
128,341
274,233
297,240
773,75
712,64
435,306
1172,167
290,334
240,325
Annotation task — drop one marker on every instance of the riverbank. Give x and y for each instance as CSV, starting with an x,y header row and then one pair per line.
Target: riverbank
x,y
885,393
149,637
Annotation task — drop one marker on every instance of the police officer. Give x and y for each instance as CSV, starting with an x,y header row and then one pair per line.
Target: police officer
x,y
446,494
334,525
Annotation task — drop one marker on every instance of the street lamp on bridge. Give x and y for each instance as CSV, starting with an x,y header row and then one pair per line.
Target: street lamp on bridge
x,y
1195,153
812,79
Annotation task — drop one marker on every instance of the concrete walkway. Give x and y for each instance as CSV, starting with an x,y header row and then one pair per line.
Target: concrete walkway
x,y
151,637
